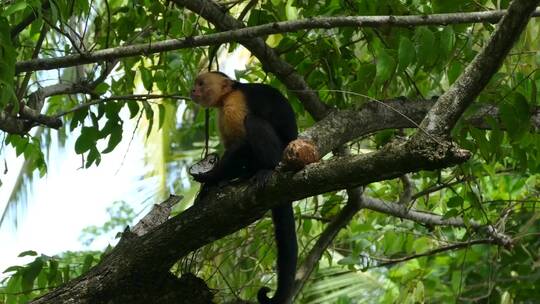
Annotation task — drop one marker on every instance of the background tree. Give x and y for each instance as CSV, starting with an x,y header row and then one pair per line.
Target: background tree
x,y
437,204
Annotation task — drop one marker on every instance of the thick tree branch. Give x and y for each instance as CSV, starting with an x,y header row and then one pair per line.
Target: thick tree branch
x,y
242,204
341,127
451,105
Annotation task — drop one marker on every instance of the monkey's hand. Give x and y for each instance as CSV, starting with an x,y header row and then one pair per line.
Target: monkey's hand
x,y
202,171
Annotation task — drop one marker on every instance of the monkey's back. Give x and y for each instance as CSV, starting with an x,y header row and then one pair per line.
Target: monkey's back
x,y
269,104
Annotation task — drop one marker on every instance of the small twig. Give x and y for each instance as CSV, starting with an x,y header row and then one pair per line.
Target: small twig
x,y
59,30
246,9
430,252
35,53
316,218
108,23
130,142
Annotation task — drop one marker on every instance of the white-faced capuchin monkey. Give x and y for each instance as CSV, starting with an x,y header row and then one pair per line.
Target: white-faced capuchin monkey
x,y
256,123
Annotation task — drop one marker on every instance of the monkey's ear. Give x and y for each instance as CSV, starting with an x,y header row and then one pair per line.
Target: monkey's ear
x,y
226,83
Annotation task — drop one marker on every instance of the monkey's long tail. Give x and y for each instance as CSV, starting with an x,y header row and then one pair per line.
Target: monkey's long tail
x,y
285,234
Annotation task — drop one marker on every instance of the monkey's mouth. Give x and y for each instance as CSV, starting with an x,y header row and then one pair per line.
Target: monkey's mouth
x,y
195,97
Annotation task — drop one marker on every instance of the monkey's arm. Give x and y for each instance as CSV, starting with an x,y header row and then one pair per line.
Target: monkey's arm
x,y
231,165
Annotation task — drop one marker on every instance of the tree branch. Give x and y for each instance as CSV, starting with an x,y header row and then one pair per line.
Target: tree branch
x,y
430,219
137,97
235,32
148,258
461,245
450,106
327,237
343,126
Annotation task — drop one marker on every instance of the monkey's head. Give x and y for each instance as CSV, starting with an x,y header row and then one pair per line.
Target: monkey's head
x,y
210,88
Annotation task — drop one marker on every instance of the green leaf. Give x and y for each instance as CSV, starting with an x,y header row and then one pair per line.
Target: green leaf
x,y
13,268
146,76
78,117
21,145
114,139
425,46
290,11
472,199
454,70
87,140
30,274
53,272
421,244
447,41
161,111
482,143
161,80
93,157
27,253
406,54
455,202
133,108
42,280
15,7
66,273
149,116
348,261
534,91
101,88
307,225
451,213
365,75
515,116
386,66
88,260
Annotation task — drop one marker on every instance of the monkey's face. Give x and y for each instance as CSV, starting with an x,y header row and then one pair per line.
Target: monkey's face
x,y
209,88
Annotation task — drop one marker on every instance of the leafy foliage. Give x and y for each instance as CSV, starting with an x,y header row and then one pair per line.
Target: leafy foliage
x,y
43,274
347,67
